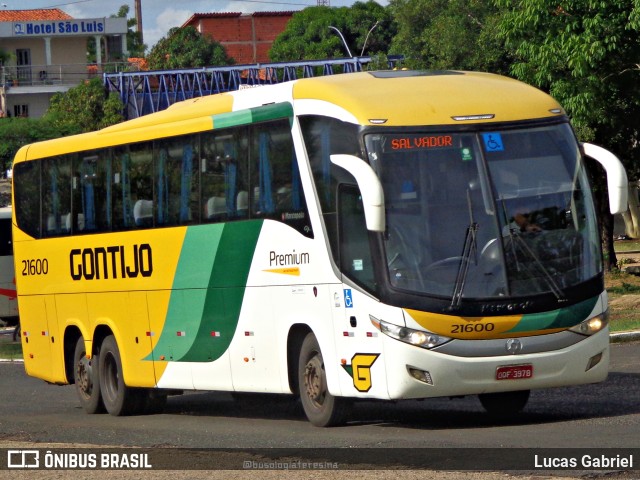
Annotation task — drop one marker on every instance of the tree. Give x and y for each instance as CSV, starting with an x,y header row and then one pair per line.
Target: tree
x,y
307,35
84,108
186,48
18,131
371,23
584,53
449,34
5,56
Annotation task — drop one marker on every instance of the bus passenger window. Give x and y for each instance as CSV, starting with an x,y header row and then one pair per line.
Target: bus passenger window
x,y
176,181
56,196
138,182
275,178
89,195
223,169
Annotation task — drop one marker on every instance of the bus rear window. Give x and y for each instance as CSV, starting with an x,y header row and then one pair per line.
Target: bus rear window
x,y
26,192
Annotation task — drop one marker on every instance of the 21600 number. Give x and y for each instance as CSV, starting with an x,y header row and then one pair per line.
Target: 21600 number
x,y
35,267
473,328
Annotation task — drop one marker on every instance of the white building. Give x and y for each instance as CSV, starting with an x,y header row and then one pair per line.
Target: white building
x,y
48,53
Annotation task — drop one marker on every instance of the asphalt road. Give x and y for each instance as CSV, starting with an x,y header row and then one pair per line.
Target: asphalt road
x,y
602,416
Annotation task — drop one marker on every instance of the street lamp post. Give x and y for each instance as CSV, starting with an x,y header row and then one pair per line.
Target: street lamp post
x,y
343,40
366,39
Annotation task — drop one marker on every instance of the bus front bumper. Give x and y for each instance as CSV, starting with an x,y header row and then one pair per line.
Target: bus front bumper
x,y
413,372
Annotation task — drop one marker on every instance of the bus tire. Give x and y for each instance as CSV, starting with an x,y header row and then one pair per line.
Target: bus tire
x,y
85,376
321,408
118,399
504,404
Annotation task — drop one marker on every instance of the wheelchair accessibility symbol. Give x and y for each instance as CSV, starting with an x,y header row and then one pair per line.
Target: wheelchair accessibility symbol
x,y
493,142
348,299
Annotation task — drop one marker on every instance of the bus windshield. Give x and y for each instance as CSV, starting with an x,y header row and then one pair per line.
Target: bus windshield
x,y
490,214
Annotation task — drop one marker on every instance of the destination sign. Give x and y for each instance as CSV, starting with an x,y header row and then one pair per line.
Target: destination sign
x,y
418,142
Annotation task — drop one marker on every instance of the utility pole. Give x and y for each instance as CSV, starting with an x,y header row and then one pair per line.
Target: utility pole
x,y
138,6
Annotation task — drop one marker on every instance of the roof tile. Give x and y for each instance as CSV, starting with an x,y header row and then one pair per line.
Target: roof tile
x,y
36,14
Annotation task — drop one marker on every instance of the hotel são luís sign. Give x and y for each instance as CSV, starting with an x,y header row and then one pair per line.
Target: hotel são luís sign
x,y
87,26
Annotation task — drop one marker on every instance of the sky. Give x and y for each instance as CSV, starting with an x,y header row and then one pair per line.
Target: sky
x,y
158,16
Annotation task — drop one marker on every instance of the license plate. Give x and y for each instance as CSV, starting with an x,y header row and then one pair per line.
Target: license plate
x,y
514,372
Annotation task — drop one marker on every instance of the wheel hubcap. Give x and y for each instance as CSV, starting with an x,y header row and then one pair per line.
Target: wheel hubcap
x,y
84,375
314,380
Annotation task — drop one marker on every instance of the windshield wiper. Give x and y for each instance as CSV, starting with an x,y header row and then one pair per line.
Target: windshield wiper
x,y
470,247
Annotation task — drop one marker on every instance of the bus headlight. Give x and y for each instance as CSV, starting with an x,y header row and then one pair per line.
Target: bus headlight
x,y
419,338
592,325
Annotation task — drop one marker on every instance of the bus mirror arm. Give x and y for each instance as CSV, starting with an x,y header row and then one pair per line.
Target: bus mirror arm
x,y
617,182
370,189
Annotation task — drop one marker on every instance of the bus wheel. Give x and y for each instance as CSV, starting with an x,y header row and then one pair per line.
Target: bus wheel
x,y
504,404
85,376
321,408
117,397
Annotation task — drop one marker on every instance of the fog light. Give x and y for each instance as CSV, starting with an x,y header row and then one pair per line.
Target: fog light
x,y
593,361
421,375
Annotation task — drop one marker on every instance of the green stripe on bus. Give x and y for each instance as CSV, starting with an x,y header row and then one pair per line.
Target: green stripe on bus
x,y
231,119
226,291
209,287
561,318
197,256
253,115
272,112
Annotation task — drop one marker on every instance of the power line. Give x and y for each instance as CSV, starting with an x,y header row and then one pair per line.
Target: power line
x,y
246,1
70,3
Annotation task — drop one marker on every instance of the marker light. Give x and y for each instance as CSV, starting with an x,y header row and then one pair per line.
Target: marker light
x,y
592,325
419,338
466,118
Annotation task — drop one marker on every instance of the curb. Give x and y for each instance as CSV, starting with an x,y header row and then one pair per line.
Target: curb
x,y
629,336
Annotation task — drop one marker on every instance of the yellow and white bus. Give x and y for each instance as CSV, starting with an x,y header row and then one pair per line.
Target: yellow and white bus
x,y
376,235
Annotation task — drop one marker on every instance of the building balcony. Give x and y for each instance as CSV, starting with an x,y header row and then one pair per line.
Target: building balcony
x,y
52,78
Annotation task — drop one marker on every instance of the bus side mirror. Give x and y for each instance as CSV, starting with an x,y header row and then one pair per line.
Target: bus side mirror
x,y
617,182
370,189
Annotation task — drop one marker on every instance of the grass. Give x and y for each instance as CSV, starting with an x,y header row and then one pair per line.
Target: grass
x,y
627,246
624,294
624,289
10,351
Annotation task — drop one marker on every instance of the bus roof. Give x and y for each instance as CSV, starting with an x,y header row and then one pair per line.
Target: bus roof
x,y
389,98
412,98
